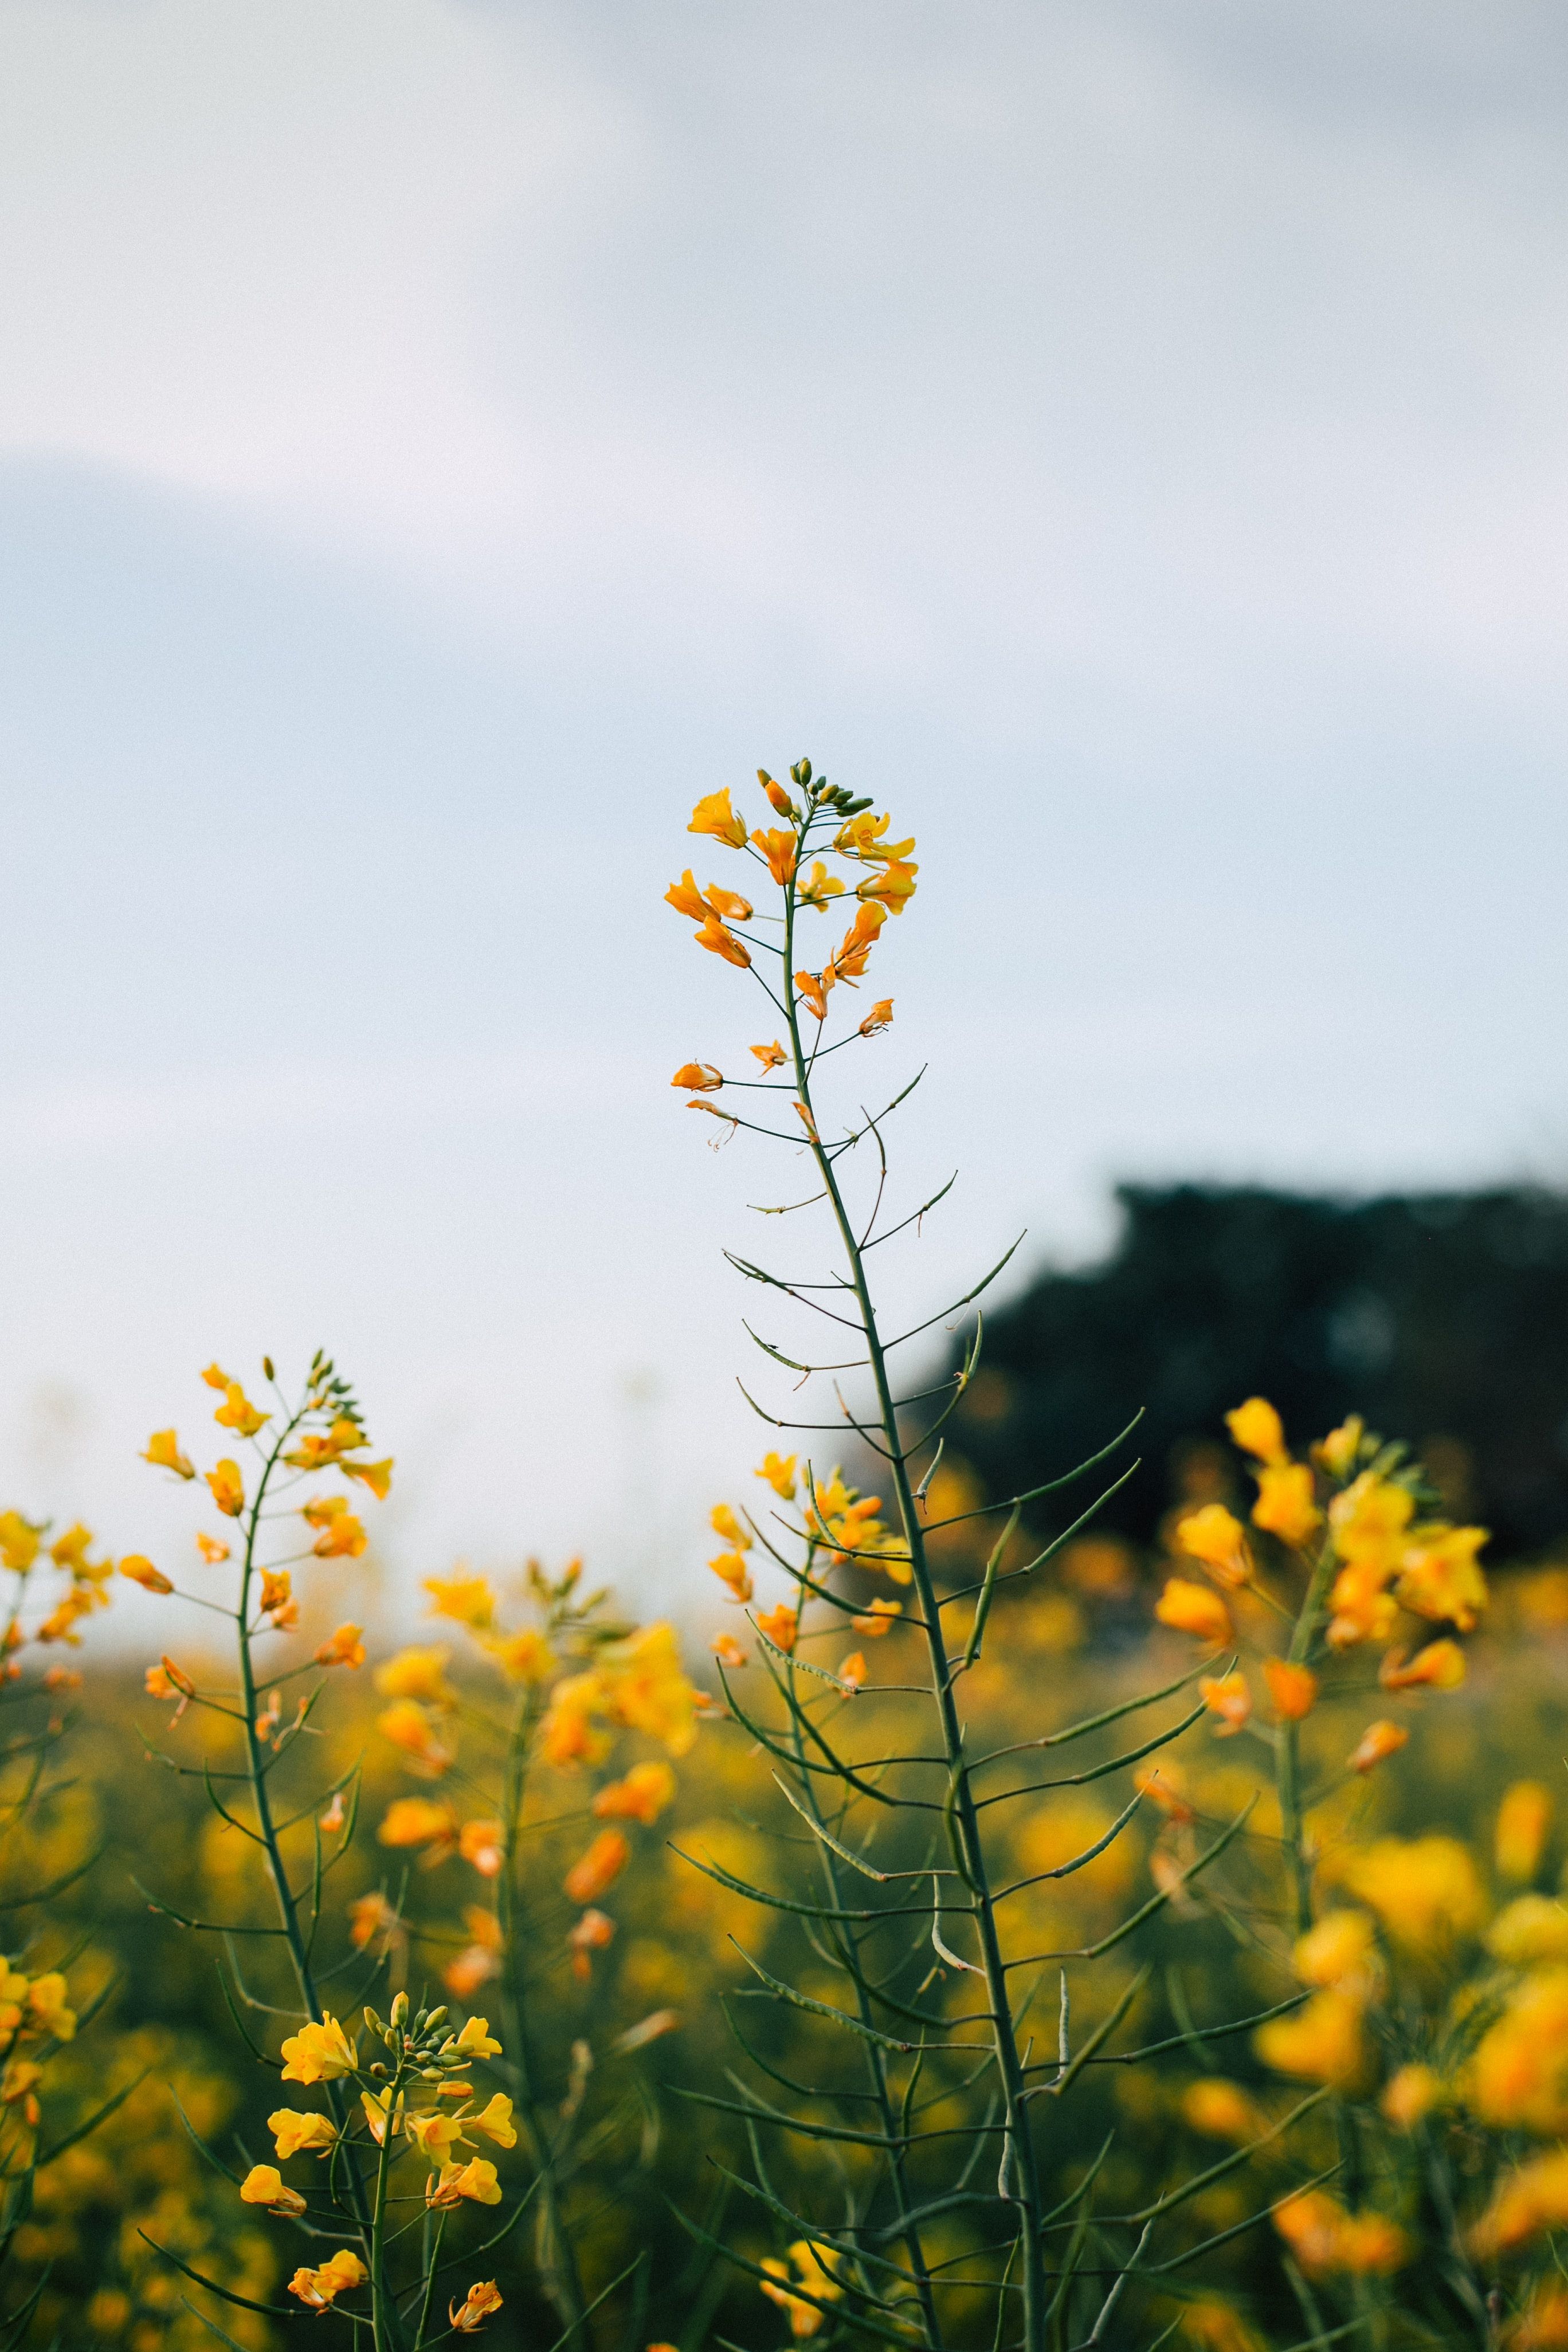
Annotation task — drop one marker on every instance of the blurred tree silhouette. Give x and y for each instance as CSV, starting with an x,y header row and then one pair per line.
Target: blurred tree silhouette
x,y
1442,1316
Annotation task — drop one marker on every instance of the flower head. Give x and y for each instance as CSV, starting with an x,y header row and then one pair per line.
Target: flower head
x,y
778,1470
880,1017
319,2054
483,1843
1216,1537
1378,1741
641,1796
238,1413
163,1452
466,1599
1292,1688
227,1488
143,1572
598,1868
343,1648
779,1625
1441,1576
265,2184
698,1078
292,2131
316,2289
416,1821
482,2298
408,1725
1440,1666
1523,1825
475,2180
1194,1609
727,1651
714,815
1257,1429
1286,1504
1227,1696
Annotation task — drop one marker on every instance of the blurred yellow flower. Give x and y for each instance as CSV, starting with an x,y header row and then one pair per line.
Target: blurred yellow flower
x,y
779,1625
416,1673
163,1452
1319,2043
143,1572
406,1724
1530,1930
482,2298
418,1820
1523,1826
727,1651
1227,1696
852,1670
525,1655
1217,1538
1286,1507
264,2185
1377,1742
642,1796
1369,1522
1533,2199
778,1472
482,1843
880,1617
714,815
212,1549
1426,1891
376,1475
590,1934
294,2132
1440,1666
1409,2095
1257,1429
729,1529
342,1537
319,2054
598,1868
466,1599
343,1648
341,2271
216,1377
813,2272
1340,1950
1221,2109
1292,1688
1363,1610
1324,2238
731,1571
1440,1576
238,1413
227,1488
1518,2077
1194,1609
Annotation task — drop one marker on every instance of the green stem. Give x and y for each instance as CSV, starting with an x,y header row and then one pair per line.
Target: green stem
x,y
1019,2175
1288,1745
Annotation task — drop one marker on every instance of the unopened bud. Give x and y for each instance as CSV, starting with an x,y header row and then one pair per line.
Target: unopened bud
x,y
801,771
436,2017
371,2020
267,1370
400,2009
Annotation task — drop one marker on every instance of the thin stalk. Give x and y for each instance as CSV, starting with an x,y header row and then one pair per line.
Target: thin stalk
x,y
1287,1747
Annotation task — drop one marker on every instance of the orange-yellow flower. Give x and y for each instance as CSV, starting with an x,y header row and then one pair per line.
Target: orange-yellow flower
x,y
1409,2095
264,2185
1194,1609
1340,1950
1523,1825
163,1452
592,1932
494,2119
720,940
165,1678
1533,2199
778,1471
408,1725
278,1599
1217,1536
852,1670
819,886
714,814
343,1648
1227,1696
772,1057
227,1488
482,2298
861,836
319,1448
416,1673
1363,1609
1257,1429
466,1599
371,1916
1221,2109
894,886
880,1017
19,1540
1518,2071
780,851
779,1625
318,2288
376,1475
1440,1666
294,2132
1427,1890
1323,2237
238,1413
143,1572
849,958
698,1078
642,1796
1379,1741
475,2180
813,2273
687,899
1338,1450
216,1377
725,1524
319,2054
1292,1688
879,1618
812,989
598,1868
418,1820
1319,2043
727,1651
781,800
525,1655
482,1843
212,1549
434,2135
1286,1507
731,1570
342,1537
1529,1930
1440,1576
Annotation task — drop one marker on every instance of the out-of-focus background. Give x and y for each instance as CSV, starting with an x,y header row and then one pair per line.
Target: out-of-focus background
x,y
441,439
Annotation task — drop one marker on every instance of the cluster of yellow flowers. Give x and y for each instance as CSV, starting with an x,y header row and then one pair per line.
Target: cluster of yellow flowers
x,y
57,1584
837,1525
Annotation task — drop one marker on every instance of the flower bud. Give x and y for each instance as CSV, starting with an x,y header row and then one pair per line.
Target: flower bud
x,y
801,771
400,2009
373,2022
267,1370
436,2017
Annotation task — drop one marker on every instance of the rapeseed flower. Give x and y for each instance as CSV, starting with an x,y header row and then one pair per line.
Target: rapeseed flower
x,y
1194,1609
265,2184
163,1452
598,1867
482,2298
292,2131
319,2288
1523,1825
319,2053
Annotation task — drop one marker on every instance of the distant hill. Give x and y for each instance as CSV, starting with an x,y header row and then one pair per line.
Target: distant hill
x,y
1442,1318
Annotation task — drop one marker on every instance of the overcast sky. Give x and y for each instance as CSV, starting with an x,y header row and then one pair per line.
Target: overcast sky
x,y
437,441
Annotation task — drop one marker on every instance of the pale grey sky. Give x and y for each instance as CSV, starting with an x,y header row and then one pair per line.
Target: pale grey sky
x,y
439,440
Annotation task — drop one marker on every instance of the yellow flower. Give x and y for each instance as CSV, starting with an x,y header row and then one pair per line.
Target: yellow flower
x,y
19,1542
212,1549
861,836
1409,2095
163,1452
375,2106
416,1673
376,1475
1338,1450
417,1821
264,2185
525,1655
819,886
720,940
894,886
598,1868
143,1572
1523,1825
318,2288
714,814
495,2122
1222,2110
651,1694
1213,1535
1340,1949
1285,1506
1257,1429
1369,1522
1440,1666
731,1569
475,2180
642,1796
70,1551
1319,2043
1227,1696
1323,2237
1543,2325
781,800
592,1932
481,2299
227,1488
698,1078
778,1471
814,2268
1194,1609
1530,1930
466,1599
850,958
880,1620
727,1651
725,1524
408,1726
1210,2326
880,1017
317,2135
238,1413
1292,1688
1440,1576
482,1843
1533,2199
319,2054
1378,1741
46,2012
852,1670
475,2040
216,1377
812,987
371,1916
780,851
278,1599
1518,2071
779,1625
434,2136
772,1057
318,1449
343,1648
1424,1890
1363,1610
